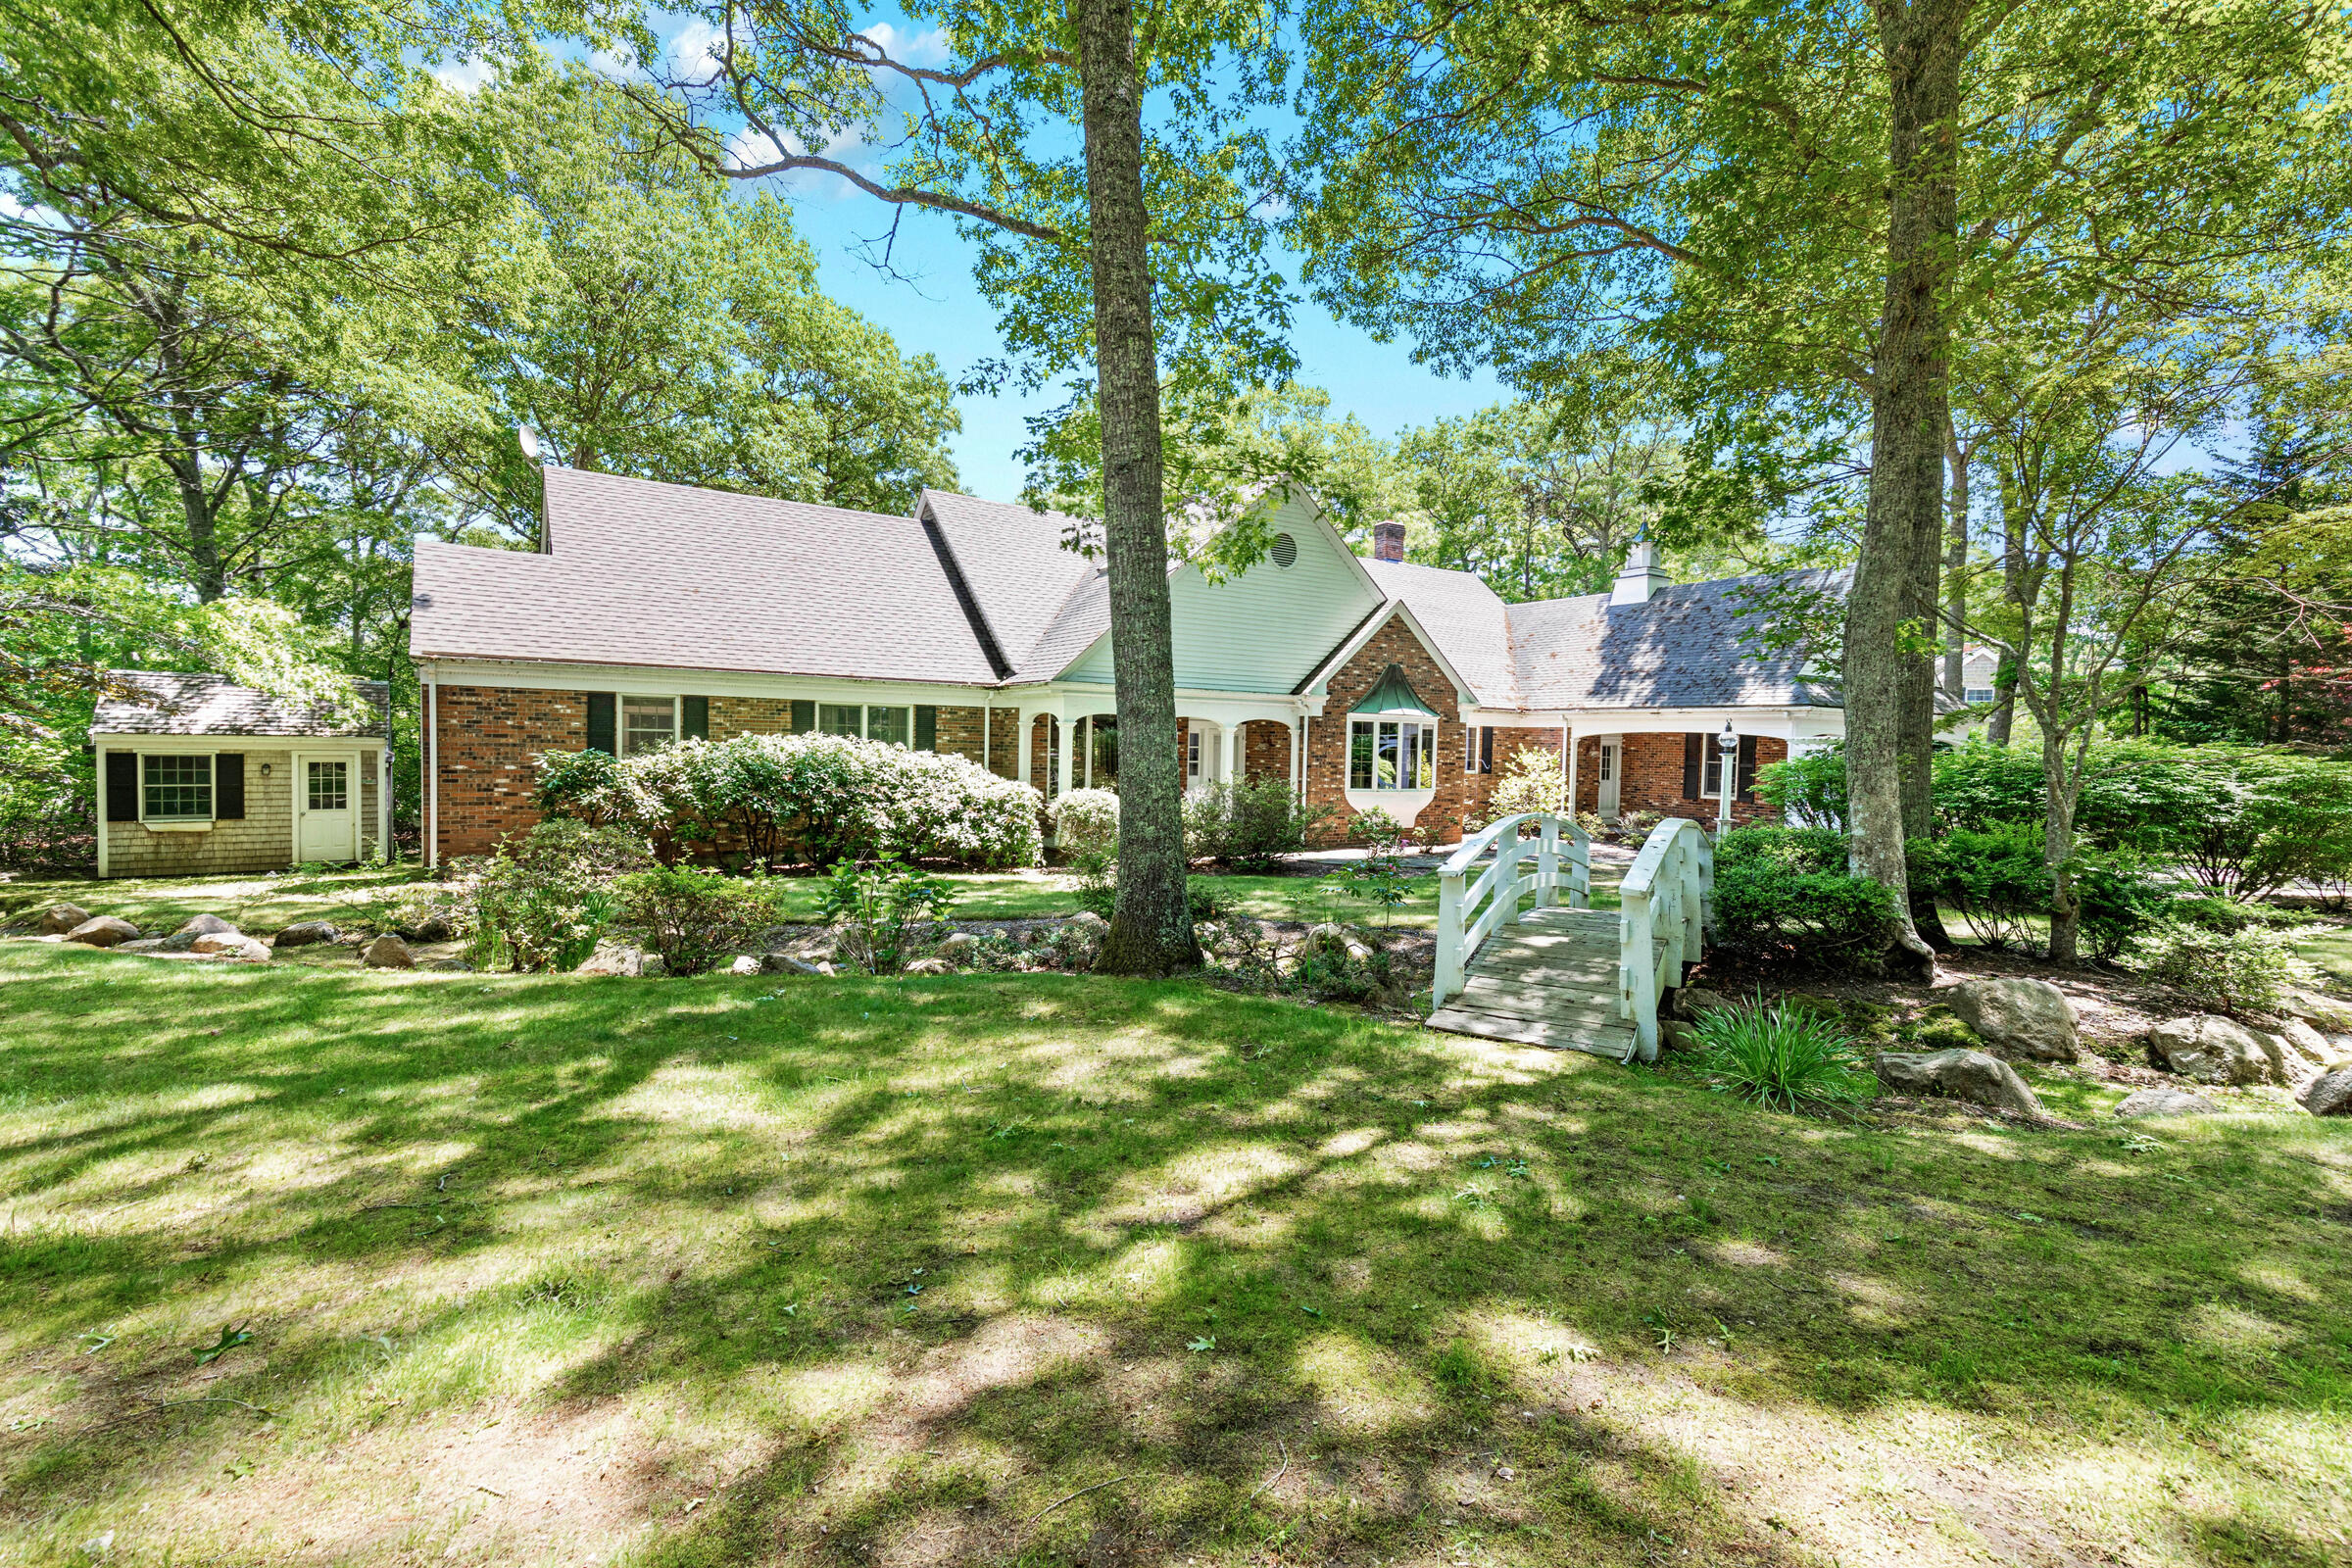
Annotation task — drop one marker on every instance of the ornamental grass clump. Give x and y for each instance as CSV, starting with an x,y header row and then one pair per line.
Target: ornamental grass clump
x,y
1781,1056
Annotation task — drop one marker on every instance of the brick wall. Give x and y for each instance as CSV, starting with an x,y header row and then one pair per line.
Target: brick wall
x,y
1327,736
1651,778
1004,742
741,716
484,738
1266,749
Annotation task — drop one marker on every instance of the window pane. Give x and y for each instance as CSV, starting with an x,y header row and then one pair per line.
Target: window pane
x,y
1714,769
841,719
1359,757
1192,755
647,722
1383,757
892,724
329,789
1408,758
180,788
1427,773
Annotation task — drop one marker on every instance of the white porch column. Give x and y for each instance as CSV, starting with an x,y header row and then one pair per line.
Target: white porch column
x,y
1233,752
1569,732
1061,762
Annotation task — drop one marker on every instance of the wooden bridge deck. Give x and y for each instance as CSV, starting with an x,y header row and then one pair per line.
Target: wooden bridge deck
x,y
1548,980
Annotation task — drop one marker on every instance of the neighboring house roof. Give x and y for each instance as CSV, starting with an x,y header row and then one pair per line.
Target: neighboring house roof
x,y
670,576
1690,645
182,702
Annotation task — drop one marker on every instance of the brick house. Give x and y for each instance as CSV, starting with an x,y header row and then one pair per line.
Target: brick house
x,y
657,611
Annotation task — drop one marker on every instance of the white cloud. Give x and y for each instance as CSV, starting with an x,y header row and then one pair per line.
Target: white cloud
x,y
930,47
465,76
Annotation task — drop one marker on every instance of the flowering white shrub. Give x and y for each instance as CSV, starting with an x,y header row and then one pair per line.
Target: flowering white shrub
x,y
782,799
1085,823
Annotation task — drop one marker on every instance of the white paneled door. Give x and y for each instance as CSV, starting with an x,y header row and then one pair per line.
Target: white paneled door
x,y
1611,758
326,809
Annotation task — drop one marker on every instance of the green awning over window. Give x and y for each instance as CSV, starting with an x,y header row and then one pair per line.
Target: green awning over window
x,y
1393,695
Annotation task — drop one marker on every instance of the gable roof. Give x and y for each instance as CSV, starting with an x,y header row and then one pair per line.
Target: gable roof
x,y
155,701
1467,621
670,576
1021,580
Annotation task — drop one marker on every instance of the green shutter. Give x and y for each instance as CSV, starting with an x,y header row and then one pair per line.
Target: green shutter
x,y
697,717
228,786
600,724
926,728
803,714
1746,787
122,785
1694,767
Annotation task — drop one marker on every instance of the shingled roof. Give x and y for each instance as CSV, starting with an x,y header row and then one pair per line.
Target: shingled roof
x,y
1691,645
185,703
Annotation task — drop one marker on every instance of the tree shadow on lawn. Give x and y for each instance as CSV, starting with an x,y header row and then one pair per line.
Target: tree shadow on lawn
x,y
884,1271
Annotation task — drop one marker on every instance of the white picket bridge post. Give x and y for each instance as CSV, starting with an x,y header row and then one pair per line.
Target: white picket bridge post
x,y
1669,891
1471,906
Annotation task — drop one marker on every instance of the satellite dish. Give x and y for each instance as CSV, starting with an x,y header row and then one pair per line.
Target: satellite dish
x,y
529,440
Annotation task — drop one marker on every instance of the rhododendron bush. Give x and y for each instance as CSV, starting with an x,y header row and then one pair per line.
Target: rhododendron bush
x,y
781,800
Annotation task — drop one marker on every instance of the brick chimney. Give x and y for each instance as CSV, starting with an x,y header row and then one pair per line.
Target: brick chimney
x,y
1388,541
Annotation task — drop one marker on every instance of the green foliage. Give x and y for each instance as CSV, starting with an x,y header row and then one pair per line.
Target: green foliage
x,y
881,908
692,917
1767,911
1376,829
1808,789
1781,1056
1997,879
2120,900
2245,971
1529,781
817,798
1085,823
1248,824
1802,850
544,904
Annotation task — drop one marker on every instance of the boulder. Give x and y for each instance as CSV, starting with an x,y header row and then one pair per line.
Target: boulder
x,y
1959,1075
103,931
206,925
2214,1050
304,933
388,951
1089,921
957,946
2308,1042
2330,1093
2164,1102
142,945
211,942
432,928
1675,1035
1696,1001
60,918
930,966
786,964
2331,1013
613,958
244,950
2019,1018
747,965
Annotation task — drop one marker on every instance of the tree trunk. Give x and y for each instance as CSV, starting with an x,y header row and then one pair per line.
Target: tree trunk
x,y
1909,412
2058,849
1955,570
1150,925
2004,673
1919,725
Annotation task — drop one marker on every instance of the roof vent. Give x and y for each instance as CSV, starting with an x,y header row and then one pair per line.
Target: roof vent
x,y
1639,577
1286,549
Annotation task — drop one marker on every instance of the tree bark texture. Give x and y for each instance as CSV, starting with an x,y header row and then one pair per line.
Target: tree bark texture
x,y
1957,458
1910,410
1150,925
2013,555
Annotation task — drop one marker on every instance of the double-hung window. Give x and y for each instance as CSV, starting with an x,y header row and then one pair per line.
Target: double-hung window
x,y
176,788
874,721
1980,694
1392,754
647,724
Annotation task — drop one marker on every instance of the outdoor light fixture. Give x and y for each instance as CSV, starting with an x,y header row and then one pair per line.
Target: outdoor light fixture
x,y
1728,743
264,770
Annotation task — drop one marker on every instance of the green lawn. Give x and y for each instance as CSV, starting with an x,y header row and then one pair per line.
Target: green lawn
x,y
1044,1269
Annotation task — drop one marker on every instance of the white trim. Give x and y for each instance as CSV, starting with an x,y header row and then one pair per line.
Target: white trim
x,y
298,795
655,680
233,744
429,772
212,797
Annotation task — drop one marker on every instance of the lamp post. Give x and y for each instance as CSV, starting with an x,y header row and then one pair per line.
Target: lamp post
x,y
1728,743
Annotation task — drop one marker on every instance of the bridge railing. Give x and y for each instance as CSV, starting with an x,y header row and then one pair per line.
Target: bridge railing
x,y
1669,893
1472,901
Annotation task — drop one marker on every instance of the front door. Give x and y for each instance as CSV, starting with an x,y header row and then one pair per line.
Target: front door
x,y
1608,770
326,813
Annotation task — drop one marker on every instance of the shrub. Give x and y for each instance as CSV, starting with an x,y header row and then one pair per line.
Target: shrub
x,y
1086,822
821,799
2120,901
1997,879
1802,850
1766,911
1531,781
1781,1056
1249,824
882,909
1375,828
1809,790
2246,970
693,918
544,904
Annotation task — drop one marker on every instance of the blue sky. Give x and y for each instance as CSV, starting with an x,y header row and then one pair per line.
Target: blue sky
x,y
931,304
